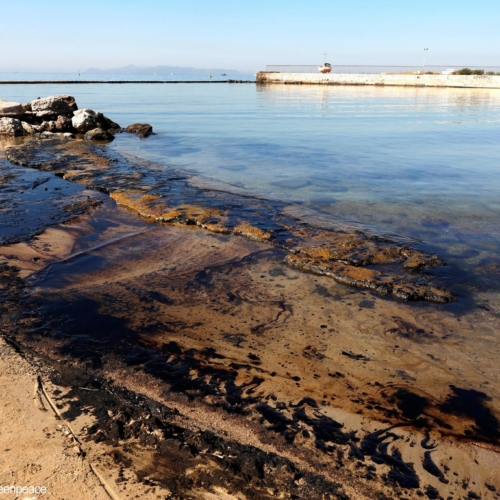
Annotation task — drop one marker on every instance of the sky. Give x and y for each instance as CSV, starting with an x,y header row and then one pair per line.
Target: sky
x,y
54,35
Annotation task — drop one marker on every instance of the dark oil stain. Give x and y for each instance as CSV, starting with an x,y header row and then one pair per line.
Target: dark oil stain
x,y
234,338
401,473
426,444
470,403
411,405
429,465
368,304
432,492
158,296
357,357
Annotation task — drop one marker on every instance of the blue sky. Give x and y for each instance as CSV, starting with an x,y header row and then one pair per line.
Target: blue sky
x,y
245,35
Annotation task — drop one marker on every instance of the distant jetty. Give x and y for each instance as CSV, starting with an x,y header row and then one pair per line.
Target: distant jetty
x,y
404,80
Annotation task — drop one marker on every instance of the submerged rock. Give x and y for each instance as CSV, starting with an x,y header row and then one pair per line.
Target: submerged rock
x,y
99,134
62,135
141,129
12,127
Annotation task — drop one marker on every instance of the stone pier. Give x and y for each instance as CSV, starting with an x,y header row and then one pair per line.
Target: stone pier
x,y
458,81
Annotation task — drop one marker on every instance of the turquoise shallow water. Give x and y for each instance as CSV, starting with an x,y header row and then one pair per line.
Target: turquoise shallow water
x,y
421,163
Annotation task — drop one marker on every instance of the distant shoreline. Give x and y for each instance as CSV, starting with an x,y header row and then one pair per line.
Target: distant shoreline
x,y
84,82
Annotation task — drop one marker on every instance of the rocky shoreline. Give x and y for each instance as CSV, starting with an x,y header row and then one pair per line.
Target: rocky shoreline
x,y
59,116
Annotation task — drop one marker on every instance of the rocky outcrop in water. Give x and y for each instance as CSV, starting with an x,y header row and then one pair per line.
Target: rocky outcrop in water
x,y
141,129
99,134
50,107
9,109
11,126
54,115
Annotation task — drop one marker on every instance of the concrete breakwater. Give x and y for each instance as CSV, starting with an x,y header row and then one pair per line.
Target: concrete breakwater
x,y
459,81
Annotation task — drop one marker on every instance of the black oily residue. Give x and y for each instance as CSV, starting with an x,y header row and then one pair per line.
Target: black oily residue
x,y
357,357
367,304
31,201
376,446
429,465
193,459
323,291
471,403
157,296
198,373
411,405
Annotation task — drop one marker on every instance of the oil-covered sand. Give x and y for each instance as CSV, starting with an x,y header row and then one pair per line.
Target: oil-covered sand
x,y
197,364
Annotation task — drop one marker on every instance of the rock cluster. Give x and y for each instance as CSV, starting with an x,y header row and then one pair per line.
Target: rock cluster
x,y
59,115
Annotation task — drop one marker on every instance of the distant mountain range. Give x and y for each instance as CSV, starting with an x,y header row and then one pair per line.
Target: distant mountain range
x,y
163,70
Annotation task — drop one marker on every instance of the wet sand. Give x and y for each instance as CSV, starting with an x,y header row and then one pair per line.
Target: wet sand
x,y
164,338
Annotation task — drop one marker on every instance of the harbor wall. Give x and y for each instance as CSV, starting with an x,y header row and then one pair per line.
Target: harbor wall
x,y
460,81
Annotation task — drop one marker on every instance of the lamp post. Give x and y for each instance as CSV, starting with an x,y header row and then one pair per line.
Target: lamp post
x,y
423,65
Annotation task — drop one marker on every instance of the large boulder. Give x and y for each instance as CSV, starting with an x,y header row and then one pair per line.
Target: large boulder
x,y
141,129
70,100
84,120
51,107
11,126
10,109
87,119
99,134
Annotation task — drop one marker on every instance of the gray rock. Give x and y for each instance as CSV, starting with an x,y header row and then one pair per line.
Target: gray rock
x,y
84,120
10,109
29,128
106,124
50,106
99,134
30,118
141,129
11,126
62,124
70,100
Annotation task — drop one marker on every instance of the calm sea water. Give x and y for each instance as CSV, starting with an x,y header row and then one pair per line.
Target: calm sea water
x,y
421,163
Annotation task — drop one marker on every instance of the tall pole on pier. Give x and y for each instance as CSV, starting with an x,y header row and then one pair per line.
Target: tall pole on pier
x,y
423,65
